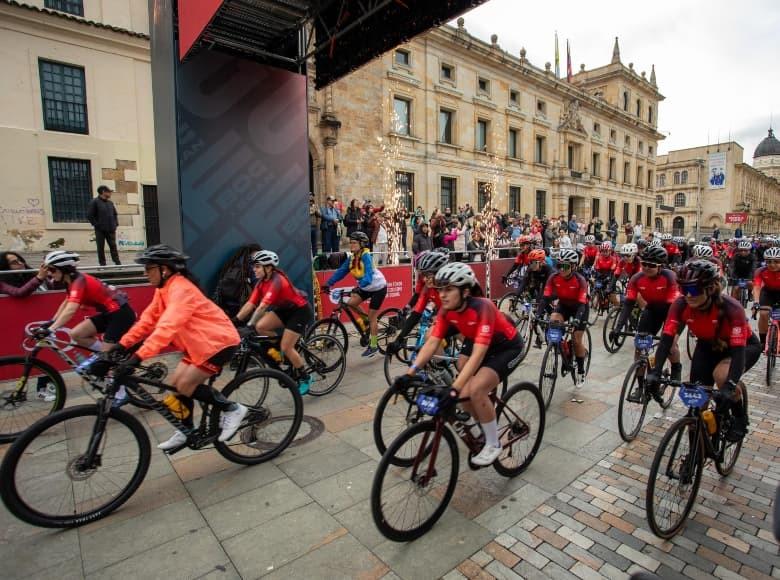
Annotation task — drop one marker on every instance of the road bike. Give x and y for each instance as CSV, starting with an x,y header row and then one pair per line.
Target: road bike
x,y
599,298
417,474
81,463
676,471
560,352
614,342
744,291
772,344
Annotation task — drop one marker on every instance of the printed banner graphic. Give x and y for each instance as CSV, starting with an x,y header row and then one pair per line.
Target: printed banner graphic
x,y
716,176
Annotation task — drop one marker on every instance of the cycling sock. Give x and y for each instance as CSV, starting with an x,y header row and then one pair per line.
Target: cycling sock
x,y
581,364
97,345
676,373
298,374
374,341
762,338
212,396
491,433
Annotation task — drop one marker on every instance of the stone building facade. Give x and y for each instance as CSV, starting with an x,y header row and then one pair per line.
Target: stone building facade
x,y
446,118
76,114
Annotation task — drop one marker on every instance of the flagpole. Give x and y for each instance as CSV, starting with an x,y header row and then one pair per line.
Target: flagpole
x,y
557,58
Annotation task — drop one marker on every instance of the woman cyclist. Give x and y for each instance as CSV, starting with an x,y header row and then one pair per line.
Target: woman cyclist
x,y
491,350
372,285
766,289
291,310
726,346
180,314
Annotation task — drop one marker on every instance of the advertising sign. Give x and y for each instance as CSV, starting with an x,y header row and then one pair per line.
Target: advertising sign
x,y
736,218
716,176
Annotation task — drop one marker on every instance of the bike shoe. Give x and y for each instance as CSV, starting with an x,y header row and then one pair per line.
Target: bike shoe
x,y
636,395
304,384
177,440
487,456
737,430
231,421
369,352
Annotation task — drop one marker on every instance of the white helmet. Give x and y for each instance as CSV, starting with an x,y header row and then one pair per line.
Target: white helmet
x,y
590,239
702,251
745,245
772,254
265,258
455,274
655,243
61,259
568,256
666,237
629,249
432,261
691,240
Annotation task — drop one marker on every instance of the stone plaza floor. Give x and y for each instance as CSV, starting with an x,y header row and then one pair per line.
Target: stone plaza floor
x,y
577,512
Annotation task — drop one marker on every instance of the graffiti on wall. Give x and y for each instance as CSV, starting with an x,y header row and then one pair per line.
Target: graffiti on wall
x,y
23,223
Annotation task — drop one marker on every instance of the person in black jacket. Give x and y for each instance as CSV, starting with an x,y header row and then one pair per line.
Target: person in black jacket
x,y
101,213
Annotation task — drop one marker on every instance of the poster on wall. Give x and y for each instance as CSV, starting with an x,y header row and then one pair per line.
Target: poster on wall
x,y
717,170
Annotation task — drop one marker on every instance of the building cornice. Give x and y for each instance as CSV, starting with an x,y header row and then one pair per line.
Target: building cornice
x,y
73,18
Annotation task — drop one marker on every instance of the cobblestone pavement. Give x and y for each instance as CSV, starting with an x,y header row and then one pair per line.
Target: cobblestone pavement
x,y
578,511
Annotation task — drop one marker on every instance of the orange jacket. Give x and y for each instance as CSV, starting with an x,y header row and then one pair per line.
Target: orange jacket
x,y
181,315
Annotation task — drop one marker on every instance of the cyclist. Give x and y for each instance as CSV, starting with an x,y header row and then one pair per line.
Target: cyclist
x,y
571,290
704,252
372,285
655,287
180,314
589,253
741,267
491,350
291,311
766,289
532,282
726,346
672,250
604,267
522,257
629,263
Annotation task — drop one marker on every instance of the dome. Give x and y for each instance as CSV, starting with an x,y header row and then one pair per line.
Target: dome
x,y
769,146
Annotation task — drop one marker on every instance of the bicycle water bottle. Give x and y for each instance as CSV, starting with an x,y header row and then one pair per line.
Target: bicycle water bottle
x,y
362,323
709,419
176,407
275,354
566,348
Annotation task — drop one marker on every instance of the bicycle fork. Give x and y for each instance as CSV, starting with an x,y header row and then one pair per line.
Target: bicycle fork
x,y
422,480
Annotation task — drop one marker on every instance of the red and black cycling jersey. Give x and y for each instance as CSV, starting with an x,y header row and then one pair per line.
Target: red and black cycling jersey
x,y
671,249
533,281
589,254
569,291
605,264
277,292
425,296
86,290
522,259
419,286
480,321
660,289
726,322
765,278
629,268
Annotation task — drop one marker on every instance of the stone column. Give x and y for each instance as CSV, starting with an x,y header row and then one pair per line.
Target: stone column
x,y
330,166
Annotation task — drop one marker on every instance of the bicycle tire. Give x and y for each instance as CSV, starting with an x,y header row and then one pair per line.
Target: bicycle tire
x,y
725,466
386,431
287,410
331,326
513,425
9,432
14,498
385,331
158,393
593,307
680,429
633,375
386,528
609,325
548,374
332,373
525,332
397,363
690,344
508,305
771,353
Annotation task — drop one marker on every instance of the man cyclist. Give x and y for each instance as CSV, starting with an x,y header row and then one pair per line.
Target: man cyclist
x,y
290,310
725,347
742,267
372,285
491,350
571,290
766,289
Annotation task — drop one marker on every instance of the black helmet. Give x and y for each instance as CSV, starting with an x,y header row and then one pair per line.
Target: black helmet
x,y
359,237
655,255
699,273
163,255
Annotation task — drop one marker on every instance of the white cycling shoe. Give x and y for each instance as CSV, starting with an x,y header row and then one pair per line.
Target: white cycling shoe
x,y
487,456
231,421
177,440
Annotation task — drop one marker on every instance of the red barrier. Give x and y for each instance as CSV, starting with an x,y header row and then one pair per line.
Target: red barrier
x,y
18,312
399,287
499,268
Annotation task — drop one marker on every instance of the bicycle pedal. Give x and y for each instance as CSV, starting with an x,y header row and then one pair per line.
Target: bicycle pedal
x,y
176,449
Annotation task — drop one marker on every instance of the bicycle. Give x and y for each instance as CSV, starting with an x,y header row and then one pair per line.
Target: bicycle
x,y
772,345
418,473
634,398
599,299
610,325
388,323
744,291
560,344
679,460
80,464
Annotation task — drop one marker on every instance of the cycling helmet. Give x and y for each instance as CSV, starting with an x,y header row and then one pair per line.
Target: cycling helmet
x,y
568,256
745,245
699,273
772,254
702,251
455,274
580,247
605,247
359,237
656,243
432,262
163,255
441,250
666,237
679,240
265,258
655,255
61,259
691,240
629,249
524,239
555,253
641,243
536,256
590,239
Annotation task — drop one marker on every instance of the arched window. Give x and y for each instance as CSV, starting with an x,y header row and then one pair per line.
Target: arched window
x,y
684,177
659,225
678,227
679,199
676,177
659,200
662,180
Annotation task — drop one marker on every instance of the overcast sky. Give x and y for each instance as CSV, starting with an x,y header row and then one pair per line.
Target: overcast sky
x,y
717,62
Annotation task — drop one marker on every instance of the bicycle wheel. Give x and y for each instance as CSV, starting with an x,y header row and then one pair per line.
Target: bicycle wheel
x,y
508,305
744,297
407,502
728,451
387,327
610,324
690,344
275,414
44,480
333,327
392,417
398,363
324,355
28,392
520,415
549,374
593,307
157,372
771,353
524,330
631,414
674,478
588,344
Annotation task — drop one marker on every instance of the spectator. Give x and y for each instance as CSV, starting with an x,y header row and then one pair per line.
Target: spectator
x,y
715,232
572,228
637,231
101,213
550,233
476,246
422,239
612,230
314,218
401,216
597,226
19,285
382,239
371,223
329,224
564,241
629,231
738,232
354,217
450,237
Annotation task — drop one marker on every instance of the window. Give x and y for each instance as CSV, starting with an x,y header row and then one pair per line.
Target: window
x,y
676,177
611,210
539,149
404,185
63,90
71,189
650,178
626,217
570,156
483,86
597,128
403,57
640,174
627,142
612,169
678,226
511,144
650,114
514,198
662,180
447,72
483,194
401,109
596,168
445,126
541,203
482,135
638,108
640,147
541,108
612,136
679,199
638,219
650,150
595,207
448,194
659,224
625,100
659,201
70,6
648,214
627,172
514,98
684,177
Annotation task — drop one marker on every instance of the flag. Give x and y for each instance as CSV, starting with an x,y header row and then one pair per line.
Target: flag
x,y
557,58
568,62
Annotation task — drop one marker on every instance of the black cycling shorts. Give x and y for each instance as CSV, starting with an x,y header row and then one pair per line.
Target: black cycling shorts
x,y
502,357
296,319
768,297
376,296
652,318
571,311
705,359
114,325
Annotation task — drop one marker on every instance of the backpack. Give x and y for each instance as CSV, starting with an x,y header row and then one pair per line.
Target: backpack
x,y
234,284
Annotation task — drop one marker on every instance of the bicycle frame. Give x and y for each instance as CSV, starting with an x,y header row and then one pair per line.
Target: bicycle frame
x,y
344,306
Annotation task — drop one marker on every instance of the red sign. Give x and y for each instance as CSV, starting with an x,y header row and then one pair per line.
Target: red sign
x,y
399,287
194,16
736,218
498,269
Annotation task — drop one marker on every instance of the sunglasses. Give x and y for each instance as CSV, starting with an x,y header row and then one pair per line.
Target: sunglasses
x,y
650,265
692,291
564,266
